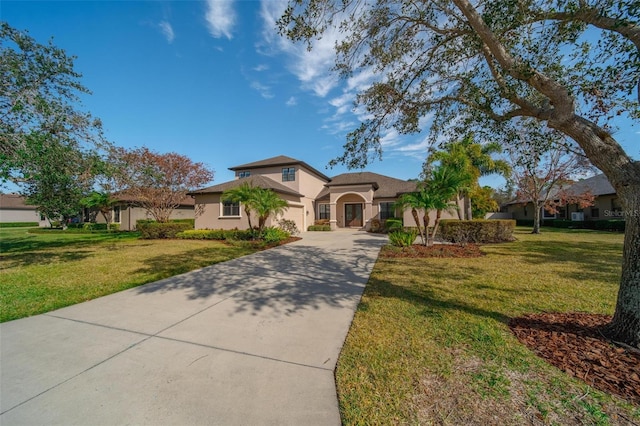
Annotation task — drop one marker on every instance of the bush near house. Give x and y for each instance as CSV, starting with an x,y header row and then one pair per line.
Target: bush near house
x,y
319,228
477,231
18,224
153,230
215,234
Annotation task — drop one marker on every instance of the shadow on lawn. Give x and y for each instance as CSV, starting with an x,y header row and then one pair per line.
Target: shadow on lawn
x,y
42,258
283,280
426,299
592,259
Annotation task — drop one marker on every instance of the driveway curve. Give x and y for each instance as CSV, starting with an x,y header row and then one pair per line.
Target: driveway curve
x,y
251,341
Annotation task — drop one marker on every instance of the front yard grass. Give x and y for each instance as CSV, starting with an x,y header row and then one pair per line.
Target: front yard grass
x,y
430,344
46,271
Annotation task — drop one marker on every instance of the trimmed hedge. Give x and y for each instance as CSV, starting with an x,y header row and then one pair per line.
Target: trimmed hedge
x,y
599,225
18,224
477,230
156,230
319,228
215,234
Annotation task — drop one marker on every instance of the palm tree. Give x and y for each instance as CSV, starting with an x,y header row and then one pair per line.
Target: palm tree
x,y
474,157
267,203
243,194
435,193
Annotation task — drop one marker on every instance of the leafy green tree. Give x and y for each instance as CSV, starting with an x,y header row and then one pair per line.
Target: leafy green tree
x,y
489,67
103,202
47,146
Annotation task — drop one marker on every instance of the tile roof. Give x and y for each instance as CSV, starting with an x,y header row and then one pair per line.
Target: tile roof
x,y
15,202
255,180
280,160
384,186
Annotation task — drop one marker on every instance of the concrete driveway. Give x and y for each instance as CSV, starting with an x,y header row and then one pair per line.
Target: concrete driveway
x,y
252,341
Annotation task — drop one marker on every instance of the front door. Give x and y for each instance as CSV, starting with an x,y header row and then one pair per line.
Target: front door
x,y
353,214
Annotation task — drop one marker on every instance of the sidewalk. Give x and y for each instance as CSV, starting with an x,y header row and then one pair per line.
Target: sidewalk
x,y
252,341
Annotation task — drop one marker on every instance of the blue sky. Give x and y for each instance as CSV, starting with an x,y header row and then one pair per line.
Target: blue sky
x,y
213,81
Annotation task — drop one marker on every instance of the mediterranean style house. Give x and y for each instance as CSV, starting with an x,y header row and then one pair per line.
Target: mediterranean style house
x,y
349,200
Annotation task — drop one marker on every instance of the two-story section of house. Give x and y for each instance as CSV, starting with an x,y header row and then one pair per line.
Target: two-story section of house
x,y
349,200
293,180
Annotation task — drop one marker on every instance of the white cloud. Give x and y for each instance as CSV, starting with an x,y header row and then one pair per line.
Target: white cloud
x,y
265,91
167,30
292,101
261,67
221,18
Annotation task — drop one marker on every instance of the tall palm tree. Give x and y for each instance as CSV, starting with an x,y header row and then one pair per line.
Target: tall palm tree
x,y
474,157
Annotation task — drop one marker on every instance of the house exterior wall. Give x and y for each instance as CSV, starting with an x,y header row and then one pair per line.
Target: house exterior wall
x,y
211,216
129,215
19,215
605,207
352,194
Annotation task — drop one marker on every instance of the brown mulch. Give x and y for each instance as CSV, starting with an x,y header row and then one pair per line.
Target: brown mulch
x,y
573,343
436,250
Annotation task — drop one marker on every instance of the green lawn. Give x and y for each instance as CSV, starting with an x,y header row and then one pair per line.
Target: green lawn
x,y
45,271
430,345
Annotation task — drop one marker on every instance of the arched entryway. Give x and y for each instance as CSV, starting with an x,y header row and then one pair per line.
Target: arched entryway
x,y
350,209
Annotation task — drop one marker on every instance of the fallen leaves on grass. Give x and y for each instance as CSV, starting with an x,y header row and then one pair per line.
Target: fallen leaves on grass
x,y
573,343
436,250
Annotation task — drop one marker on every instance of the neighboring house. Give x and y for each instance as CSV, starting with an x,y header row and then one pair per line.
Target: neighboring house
x,y
126,213
13,208
606,204
349,200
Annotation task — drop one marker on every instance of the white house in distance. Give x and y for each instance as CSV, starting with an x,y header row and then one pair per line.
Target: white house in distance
x,y
348,200
13,208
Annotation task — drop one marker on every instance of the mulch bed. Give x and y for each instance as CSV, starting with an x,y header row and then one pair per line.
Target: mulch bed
x,y
573,343
436,250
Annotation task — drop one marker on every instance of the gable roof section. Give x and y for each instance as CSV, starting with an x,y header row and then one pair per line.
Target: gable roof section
x,y
14,202
384,186
280,160
597,185
255,180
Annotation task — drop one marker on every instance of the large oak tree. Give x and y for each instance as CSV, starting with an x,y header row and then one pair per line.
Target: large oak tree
x,y
570,65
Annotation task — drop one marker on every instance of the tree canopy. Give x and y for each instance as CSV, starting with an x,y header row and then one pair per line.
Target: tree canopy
x,y
572,66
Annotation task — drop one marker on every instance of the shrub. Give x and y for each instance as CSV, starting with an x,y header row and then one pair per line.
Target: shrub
x,y
403,238
393,224
18,224
155,230
477,231
289,226
215,234
375,225
272,235
319,228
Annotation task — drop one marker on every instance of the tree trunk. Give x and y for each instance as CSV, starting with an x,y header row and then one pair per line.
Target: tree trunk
x,y
467,208
624,175
625,326
414,213
426,220
436,224
536,218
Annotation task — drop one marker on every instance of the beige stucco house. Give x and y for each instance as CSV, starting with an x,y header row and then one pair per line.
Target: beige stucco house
x,y
349,200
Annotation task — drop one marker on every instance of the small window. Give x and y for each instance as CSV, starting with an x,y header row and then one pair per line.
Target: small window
x,y
595,212
230,209
116,214
288,174
324,211
244,174
386,211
